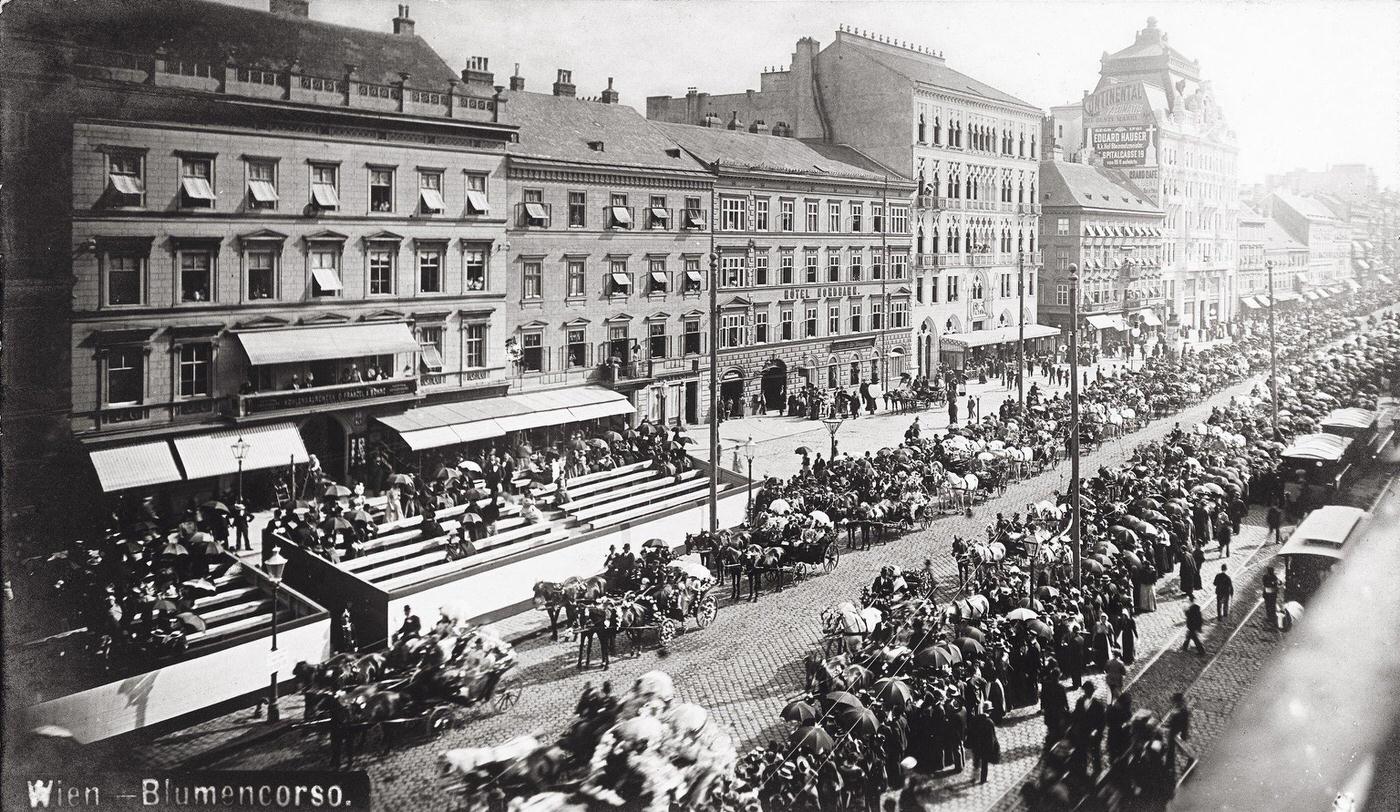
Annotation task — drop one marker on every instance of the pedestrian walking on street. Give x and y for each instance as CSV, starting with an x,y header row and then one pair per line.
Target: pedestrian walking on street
x,y
1178,724
1224,590
952,412
1275,522
1114,674
1194,623
982,741
1271,585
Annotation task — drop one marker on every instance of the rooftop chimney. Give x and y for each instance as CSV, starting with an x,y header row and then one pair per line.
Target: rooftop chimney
x,y
290,8
734,120
402,23
517,82
478,72
564,85
610,96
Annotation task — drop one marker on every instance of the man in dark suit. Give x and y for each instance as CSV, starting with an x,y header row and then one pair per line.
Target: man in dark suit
x,y
276,526
412,626
1194,624
1087,728
1054,703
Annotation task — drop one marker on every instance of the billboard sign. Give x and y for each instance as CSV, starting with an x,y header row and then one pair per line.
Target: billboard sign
x,y
1118,104
1122,146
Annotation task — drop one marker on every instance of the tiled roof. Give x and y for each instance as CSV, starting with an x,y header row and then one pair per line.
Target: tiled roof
x,y
1309,207
210,33
756,151
933,71
560,128
1278,239
1073,184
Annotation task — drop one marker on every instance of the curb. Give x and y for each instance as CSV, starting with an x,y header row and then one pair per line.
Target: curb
x,y
267,733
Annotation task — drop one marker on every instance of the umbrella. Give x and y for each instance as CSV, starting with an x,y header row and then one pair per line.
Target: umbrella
x,y
935,657
972,632
578,445
204,546
191,621
214,504
811,739
863,723
779,506
1106,548
969,647
1292,613
598,443
360,516
334,524
174,548
1041,628
336,492
1047,592
443,475
685,438
1021,613
657,543
845,698
893,691
469,465
802,449
801,712
201,584
164,605
612,437
857,676
820,517
471,518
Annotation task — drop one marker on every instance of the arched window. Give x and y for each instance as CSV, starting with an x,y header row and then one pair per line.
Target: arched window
x,y
977,290
1023,145
1021,192
1031,239
920,247
1032,200
948,326
952,184
969,188
1032,146
922,126
934,247
937,132
1020,241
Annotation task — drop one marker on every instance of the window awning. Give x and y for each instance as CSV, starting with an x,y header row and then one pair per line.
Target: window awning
x,y
432,359
621,215
996,335
325,196
126,184
536,211
692,276
320,343
658,278
263,191
694,218
660,214
477,202
326,279
432,200
197,188
1150,318
469,421
1104,321
135,466
621,280
270,446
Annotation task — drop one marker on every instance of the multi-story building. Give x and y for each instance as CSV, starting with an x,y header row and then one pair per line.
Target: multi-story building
x,y
814,251
1153,116
973,150
1310,222
1250,278
1350,182
1097,221
1289,261
608,242
266,227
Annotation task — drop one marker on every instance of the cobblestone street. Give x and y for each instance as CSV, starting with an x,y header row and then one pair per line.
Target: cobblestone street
x,y
747,664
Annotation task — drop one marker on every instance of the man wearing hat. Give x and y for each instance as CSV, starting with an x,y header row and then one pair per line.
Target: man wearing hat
x,y
240,519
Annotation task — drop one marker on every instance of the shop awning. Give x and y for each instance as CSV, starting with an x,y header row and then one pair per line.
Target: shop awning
x,y
1322,293
1361,264
270,446
1311,295
451,423
1352,283
1385,279
321,343
1105,321
1252,303
135,466
996,335
1150,318
1302,278
1288,296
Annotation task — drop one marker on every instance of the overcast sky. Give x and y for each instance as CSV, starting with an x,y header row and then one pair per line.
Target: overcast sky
x,y
1304,83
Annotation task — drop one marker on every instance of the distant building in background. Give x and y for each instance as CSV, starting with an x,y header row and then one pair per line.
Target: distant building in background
x,y
1309,221
1250,277
973,151
815,254
1290,259
1153,116
1349,182
1097,220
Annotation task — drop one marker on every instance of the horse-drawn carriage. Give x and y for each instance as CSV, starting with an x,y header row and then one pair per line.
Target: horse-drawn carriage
x,y
418,687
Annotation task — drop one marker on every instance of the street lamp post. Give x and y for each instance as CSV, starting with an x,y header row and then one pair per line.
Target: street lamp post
x,y
749,448
240,453
275,566
1273,353
714,362
833,424
1032,545
1074,415
1021,332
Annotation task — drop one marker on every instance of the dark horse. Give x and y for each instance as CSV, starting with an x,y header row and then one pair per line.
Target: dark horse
x,y
551,597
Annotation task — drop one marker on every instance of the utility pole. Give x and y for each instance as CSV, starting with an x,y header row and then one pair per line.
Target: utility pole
x,y
1021,332
884,274
714,360
1074,507
1273,353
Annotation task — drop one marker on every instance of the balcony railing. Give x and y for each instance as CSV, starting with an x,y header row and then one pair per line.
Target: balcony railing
x,y
460,378
166,412
924,202
262,402
926,262
984,260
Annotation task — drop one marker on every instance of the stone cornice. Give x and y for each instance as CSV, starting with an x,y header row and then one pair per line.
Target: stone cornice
x,y
541,172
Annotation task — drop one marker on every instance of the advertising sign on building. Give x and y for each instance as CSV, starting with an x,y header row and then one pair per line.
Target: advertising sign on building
x,y
1122,146
1117,104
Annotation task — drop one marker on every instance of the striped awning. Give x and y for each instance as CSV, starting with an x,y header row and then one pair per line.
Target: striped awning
x,y
1106,322
469,421
321,343
270,446
997,335
135,466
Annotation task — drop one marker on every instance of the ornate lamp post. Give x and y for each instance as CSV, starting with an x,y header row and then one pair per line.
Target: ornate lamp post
x,y
1074,414
276,565
1273,353
749,448
240,453
1032,545
833,425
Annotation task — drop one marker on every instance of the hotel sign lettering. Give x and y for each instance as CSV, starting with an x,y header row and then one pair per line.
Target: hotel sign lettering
x,y
819,293
1122,146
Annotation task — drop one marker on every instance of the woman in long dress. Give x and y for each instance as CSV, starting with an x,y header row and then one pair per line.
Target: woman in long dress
x,y
392,513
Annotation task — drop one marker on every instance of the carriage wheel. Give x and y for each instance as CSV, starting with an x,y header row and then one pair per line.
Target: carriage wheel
x,y
506,697
832,557
440,719
666,631
707,611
